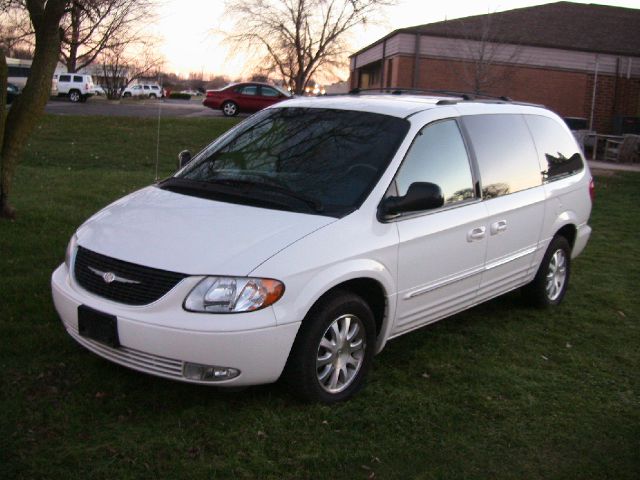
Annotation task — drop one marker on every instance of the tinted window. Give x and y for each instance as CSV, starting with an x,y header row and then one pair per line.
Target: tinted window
x,y
65,78
146,87
506,155
77,79
438,155
18,72
249,90
557,150
334,157
269,92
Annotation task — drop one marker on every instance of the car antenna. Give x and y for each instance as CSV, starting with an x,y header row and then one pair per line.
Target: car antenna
x,y
158,139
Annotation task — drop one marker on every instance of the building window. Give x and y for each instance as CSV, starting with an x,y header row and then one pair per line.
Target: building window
x,y
370,75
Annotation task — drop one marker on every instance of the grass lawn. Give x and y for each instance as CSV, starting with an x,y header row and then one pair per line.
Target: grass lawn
x,y
500,391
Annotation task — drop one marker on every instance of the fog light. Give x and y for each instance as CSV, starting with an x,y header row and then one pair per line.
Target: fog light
x,y
208,373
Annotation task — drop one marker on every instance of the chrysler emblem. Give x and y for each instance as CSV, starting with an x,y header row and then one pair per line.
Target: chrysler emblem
x,y
110,277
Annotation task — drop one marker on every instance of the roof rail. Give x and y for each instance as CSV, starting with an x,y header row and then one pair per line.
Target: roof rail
x,y
453,93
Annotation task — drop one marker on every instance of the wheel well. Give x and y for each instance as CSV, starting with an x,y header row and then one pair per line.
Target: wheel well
x,y
569,232
371,292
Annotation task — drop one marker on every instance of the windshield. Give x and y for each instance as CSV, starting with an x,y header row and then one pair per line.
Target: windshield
x,y
301,159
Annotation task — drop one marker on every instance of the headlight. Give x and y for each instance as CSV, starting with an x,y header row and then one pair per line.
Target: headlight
x,y
233,294
71,247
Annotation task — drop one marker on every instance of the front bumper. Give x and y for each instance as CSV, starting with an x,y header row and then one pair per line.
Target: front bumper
x,y
159,338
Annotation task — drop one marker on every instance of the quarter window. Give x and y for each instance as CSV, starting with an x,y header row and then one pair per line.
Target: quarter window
x,y
77,79
506,155
557,150
438,155
269,92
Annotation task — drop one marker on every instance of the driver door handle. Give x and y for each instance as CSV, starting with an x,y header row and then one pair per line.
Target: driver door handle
x,y
476,234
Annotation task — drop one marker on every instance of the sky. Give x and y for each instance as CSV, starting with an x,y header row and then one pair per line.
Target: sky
x,y
190,42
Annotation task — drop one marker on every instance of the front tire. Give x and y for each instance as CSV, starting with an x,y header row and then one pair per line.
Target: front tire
x,y
550,283
333,350
229,109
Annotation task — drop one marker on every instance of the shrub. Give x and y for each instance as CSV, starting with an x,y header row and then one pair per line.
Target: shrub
x,y
180,96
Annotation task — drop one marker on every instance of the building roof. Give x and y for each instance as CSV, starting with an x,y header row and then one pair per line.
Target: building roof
x,y
563,25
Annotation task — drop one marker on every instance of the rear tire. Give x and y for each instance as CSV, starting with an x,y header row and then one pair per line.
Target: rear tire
x,y
550,283
333,350
229,109
74,96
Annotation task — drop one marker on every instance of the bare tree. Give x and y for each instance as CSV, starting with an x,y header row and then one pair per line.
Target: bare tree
x,y
298,38
122,65
27,108
485,54
16,32
93,26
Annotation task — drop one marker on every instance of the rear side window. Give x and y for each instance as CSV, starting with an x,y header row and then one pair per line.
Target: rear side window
x,y
249,90
65,78
77,79
506,155
557,150
438,155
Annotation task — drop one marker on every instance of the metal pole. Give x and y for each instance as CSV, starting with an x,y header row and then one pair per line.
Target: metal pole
x,y
593,96
416,60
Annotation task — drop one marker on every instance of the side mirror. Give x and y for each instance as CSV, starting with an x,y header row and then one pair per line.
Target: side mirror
x,y
184,157
420,196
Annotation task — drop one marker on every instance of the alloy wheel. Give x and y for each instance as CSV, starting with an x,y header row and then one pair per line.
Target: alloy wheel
x,y
341,353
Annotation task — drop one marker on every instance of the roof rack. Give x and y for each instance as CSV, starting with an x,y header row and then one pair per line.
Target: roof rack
x,y
399,91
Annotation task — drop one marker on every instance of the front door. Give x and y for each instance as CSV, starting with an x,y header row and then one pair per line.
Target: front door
x,y
441,252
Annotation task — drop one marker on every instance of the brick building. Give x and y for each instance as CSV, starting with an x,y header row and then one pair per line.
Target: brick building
x,y
577,59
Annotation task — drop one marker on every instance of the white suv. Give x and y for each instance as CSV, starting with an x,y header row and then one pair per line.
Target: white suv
x,y
143,90
310,234
77,87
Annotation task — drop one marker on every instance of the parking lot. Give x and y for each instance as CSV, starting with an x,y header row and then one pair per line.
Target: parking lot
x,y
133,108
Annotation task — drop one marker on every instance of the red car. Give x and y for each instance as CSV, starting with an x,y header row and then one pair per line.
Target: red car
x,y
244,97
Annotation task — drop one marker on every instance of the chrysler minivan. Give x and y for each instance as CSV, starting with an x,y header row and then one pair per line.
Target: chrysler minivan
x,y
306,237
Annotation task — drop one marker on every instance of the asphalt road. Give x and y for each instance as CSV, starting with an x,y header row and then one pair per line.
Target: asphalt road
x,y
132,108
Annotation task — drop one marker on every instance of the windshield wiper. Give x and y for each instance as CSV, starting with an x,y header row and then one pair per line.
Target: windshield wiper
x,y
312,202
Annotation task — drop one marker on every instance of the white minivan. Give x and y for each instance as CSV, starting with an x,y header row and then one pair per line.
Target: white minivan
x,y
303,239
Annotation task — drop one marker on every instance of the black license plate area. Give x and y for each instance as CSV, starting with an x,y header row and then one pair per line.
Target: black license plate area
x,y
98,326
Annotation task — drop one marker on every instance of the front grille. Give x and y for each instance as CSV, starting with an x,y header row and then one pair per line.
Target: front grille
x,y
131,284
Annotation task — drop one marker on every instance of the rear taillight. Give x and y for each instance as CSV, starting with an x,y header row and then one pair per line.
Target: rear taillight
x,y
592,189
211,94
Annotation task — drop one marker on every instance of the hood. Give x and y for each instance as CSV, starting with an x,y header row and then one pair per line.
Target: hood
x,y
190,235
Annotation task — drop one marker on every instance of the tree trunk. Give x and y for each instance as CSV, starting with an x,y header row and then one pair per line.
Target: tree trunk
x,y
28,107
5,209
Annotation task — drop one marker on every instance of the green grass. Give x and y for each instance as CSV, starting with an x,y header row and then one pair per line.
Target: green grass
x,y
500,391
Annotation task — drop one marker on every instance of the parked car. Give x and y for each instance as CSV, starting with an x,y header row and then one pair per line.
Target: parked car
x,y
12,92
143,90
77,87
301,241
98,90
244,97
